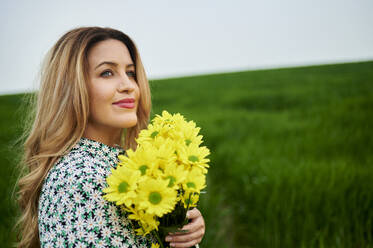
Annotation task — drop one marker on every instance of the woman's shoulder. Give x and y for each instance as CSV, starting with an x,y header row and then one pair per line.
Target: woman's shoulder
x,y
78,164
72,210
75,176
79,161
85,162
88,156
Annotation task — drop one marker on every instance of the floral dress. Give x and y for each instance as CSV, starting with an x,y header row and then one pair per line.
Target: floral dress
x,y
72,211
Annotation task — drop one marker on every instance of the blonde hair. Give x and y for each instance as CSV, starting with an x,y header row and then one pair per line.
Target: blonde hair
x,y
61,114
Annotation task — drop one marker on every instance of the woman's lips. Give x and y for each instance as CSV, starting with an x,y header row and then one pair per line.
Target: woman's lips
x,y
125,105
128,103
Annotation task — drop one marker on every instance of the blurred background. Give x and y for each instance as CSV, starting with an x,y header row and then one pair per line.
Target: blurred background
x,y
283,92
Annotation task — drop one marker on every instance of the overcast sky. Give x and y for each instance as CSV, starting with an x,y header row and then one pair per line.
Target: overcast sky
x,y
177,38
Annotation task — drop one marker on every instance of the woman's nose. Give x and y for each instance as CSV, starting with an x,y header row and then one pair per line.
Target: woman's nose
x,y
125,84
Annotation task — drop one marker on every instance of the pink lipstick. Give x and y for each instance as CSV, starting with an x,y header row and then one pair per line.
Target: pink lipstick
x,y
128,103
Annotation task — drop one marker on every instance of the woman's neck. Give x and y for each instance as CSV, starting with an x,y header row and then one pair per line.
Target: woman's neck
x,y
105,135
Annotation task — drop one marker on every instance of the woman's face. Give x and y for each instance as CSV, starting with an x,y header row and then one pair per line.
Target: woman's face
x,y
113,90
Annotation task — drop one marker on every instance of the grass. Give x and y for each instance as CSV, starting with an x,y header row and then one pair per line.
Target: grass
x,y
291,162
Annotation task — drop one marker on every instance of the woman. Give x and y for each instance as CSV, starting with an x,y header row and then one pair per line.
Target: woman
x,y
94,99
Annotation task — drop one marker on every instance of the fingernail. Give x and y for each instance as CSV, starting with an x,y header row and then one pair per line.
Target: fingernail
x,y
168,239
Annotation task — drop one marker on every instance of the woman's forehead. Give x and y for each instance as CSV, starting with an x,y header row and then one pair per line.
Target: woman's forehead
x,y
111,51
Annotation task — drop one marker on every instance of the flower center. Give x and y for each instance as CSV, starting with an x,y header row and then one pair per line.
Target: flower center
x,y
188,141
143,168
172,181
191,185
154,134
155,198
122,187
193,158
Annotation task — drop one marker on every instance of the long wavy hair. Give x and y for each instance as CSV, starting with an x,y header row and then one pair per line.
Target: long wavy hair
x,y
60,115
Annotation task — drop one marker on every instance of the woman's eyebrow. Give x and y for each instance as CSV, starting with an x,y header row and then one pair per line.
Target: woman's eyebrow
x,y
106,63
111,63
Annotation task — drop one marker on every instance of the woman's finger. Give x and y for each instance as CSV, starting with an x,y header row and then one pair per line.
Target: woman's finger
x,y
196,220
196,223
186,237
193,213
196,231
185,245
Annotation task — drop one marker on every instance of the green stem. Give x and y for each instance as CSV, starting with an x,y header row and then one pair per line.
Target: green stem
x,y
159,239
187,209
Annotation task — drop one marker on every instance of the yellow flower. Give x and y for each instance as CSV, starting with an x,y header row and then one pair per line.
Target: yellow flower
x,y
190,134
122,185
177,128
151,158
155,245
143,159
153,131
190,199
193,184
194,156
147,221
155,197
175,174
167,119
145,135
165,153
195,181
169,126
167,166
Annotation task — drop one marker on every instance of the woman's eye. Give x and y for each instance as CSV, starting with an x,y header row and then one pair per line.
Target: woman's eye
x,y
131,74
106,74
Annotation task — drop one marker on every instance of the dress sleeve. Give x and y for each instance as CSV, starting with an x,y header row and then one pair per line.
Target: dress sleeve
x,y
73,213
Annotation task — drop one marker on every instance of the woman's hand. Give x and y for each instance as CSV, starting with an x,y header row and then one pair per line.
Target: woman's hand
x,y
196,230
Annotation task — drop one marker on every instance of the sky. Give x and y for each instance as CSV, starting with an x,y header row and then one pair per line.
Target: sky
x,y
180,38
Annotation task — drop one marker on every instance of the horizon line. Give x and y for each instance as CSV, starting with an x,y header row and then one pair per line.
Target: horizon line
x,y
233,70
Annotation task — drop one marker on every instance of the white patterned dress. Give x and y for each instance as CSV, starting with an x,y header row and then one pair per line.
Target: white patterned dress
x,y
72,211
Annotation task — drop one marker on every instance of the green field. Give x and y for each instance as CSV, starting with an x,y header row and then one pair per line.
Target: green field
x,y
292,154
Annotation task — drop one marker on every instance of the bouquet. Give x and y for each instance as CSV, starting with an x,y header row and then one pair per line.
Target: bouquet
x,y
162,179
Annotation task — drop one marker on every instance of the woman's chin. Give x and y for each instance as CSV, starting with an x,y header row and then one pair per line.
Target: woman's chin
x,y
128,122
